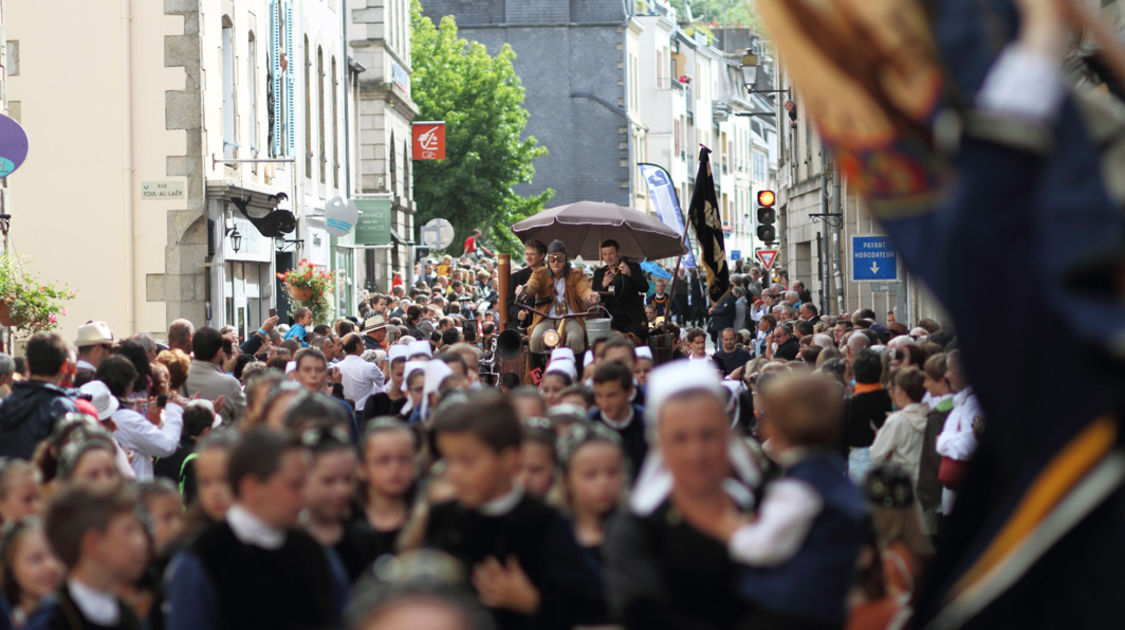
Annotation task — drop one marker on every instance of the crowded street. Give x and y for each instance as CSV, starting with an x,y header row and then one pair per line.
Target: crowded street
x,y
660,314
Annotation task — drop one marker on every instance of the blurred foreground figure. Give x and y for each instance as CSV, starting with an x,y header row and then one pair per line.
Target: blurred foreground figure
x,y
956,123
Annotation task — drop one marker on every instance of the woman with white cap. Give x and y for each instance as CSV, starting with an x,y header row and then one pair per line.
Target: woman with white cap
x,y
662,571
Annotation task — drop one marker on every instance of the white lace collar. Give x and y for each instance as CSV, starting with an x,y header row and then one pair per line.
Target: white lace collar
x,y
251,530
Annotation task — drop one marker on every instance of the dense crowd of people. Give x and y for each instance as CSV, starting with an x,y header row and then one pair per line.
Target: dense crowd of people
x,y
369,473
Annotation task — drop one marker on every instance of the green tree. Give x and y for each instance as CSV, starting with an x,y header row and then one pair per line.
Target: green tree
x,y
719,12
480,98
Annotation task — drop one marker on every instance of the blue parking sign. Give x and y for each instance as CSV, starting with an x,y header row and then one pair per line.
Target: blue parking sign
x,y
873,259
736,254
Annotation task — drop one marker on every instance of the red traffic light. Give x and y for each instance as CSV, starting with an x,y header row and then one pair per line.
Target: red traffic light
x,y
766,198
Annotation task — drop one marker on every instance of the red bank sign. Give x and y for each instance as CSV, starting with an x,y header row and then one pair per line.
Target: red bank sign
x,y
429,140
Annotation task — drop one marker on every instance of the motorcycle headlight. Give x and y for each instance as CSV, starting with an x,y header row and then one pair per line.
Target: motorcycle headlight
x,y
551,338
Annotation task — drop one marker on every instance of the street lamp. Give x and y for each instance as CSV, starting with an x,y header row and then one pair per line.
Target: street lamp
x,y
235,238
749,67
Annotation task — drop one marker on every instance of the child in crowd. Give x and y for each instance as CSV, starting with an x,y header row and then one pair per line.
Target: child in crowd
x,y
643,365
30,569
254,568
415,388
329,488
19,490
164,510
302,320
525,564
257,390
903,546
537,457
555,381
592,483
94,530
91,461
613,390
563,416
528,402
799,554
199,417
208,471
391,401
387,476
578,395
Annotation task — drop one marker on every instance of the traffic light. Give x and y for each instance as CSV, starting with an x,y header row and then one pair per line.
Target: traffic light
x,y
767,215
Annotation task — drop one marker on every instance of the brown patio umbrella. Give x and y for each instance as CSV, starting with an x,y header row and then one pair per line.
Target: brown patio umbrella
x,y
583,226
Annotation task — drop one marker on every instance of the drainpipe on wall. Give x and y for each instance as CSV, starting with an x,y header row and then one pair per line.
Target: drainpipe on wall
x,y
130,174
347,75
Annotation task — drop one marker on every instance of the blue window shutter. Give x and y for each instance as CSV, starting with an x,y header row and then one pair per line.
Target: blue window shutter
x,y
275,78
290,96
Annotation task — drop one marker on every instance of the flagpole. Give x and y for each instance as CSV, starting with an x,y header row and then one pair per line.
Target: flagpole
x,y
672,291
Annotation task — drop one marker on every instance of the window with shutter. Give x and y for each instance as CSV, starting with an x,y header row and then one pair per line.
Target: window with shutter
x,y
290,143
274,95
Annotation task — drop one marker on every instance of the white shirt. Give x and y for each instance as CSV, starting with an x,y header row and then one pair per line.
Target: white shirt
x,y
502,505
560,294
146,440
360,379
251,530
785,516
956,439
620,425
99,607
1023,83
83,364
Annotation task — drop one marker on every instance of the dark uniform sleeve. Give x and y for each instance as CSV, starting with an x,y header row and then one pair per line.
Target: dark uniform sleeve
x,y
636,281
573,593
637,593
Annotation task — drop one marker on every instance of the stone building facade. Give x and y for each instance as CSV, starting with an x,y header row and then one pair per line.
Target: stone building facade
x,y
571,57
204,108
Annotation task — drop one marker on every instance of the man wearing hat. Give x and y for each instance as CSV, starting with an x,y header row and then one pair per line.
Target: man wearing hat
x,y
568,291
375,332
95,342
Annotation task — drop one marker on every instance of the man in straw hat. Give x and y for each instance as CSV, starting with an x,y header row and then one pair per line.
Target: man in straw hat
x,y
95,342
375,332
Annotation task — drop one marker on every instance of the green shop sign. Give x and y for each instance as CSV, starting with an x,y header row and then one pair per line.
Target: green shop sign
x,y
374,225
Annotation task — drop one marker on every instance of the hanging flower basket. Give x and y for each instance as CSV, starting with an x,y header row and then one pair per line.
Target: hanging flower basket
x,y
301,294
310,286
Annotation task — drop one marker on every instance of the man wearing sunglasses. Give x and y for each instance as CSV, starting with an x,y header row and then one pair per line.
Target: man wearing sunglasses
x,y
568,291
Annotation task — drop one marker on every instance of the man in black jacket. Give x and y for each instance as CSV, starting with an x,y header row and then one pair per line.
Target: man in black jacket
x,y
533,252
31,411
625,286
787,344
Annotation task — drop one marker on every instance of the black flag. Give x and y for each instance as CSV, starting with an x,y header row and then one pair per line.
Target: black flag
x,y
703,214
